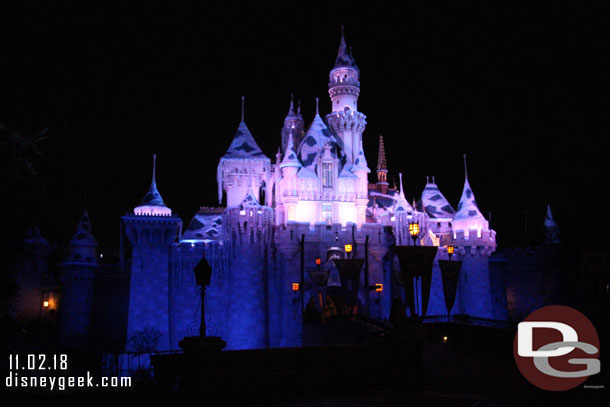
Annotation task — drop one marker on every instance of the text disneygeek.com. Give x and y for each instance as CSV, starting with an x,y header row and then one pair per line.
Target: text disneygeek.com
x,y
27,372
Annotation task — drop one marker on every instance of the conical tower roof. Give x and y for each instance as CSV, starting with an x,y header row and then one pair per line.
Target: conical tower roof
x,y
402,205
549,222
551,227
152,203
344,55
317,136
468,208
291,113
435,203
153,197
468,216
290,158
243,145
82,249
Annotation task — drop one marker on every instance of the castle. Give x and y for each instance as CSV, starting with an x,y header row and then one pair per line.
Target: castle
x,y
282,216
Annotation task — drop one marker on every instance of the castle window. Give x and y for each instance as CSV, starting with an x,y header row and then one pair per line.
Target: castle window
x,y
327,213
327,175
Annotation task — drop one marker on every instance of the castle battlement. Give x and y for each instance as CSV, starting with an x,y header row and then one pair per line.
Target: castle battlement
x,y
347,121
483,241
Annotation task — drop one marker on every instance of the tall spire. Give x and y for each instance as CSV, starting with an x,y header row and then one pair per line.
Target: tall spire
x,y
402,204
382,168
291,113
154,177
152,203
153,197
468,208
465,168
317,107
381,161
344,57
243,102
402,191
299,110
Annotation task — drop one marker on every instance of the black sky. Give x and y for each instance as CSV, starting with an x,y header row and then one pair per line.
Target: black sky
x,y
522,88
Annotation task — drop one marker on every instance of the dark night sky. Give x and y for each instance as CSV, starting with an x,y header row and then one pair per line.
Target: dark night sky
x,y
523,89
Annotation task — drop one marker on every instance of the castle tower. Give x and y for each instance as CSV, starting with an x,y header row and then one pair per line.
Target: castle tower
x,y
382,169
29,305
344,88
294,126
247,230
474,242
243,167
289,167
77,274
361,170
151,229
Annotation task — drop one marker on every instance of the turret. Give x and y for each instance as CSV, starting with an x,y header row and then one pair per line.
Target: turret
x,y
344,88
243,167
151,233
77,274
288,187
474,242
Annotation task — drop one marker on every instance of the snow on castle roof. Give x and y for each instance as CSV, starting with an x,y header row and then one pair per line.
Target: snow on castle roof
x,y
435,203
313,142
344,56
468,209
360,163
205,225
290,158
243,145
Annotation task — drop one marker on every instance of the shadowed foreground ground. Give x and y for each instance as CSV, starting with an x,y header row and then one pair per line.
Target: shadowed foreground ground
x,y
474,368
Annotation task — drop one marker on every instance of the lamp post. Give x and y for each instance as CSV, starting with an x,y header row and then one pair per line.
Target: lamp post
x,y
450,251
203,275
202,343
349,271
320,278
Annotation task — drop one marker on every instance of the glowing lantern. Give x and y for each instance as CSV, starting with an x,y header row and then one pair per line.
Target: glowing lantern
x,y
348,248
295,287
318,261
450,250
444,339
45,304
379,287
414,231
